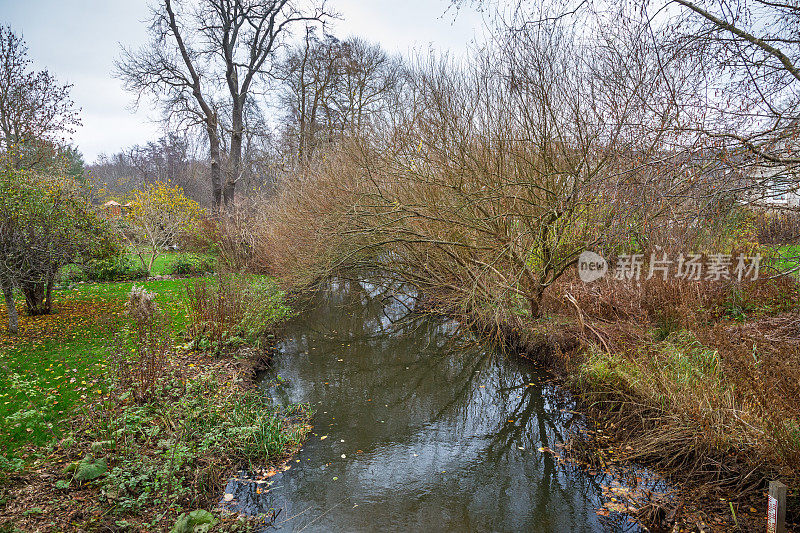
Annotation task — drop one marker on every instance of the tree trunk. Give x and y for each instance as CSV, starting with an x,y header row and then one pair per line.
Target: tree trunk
x,y
235,159
36,300
151,261
535,301
8,294
216,175
535,309
48,297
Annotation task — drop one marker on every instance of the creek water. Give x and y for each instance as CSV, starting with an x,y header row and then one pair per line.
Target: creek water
x,y
418,427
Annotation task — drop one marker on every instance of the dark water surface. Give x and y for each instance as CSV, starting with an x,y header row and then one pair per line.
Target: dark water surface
x,y
424,429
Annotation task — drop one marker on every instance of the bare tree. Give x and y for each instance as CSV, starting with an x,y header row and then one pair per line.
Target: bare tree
x,y
173,72
171,158
743,57
309,75
208,56
369,76
744,109
751,51
331,87
36,112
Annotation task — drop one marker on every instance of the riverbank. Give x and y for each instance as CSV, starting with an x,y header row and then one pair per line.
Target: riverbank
x,y
710,403
72,433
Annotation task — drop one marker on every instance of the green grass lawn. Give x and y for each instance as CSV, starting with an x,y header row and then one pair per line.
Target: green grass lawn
x,y
58,361
788,257
163,262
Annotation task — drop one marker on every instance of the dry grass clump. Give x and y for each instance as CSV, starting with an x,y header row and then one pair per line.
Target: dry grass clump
x,y
141,349
304,227
777,227
233,309
702,379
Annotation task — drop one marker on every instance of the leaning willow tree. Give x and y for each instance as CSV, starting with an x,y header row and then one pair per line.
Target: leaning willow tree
x,y
483,188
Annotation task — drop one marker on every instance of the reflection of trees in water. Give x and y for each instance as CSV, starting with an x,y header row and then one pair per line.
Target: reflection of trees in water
x,y
428,370
528,411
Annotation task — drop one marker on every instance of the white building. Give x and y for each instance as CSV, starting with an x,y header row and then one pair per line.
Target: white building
x,y
777,186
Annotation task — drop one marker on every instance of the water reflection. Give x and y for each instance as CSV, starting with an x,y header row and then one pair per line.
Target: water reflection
x,y
418,427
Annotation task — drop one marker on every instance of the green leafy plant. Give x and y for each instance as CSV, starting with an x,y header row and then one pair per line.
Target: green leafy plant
x,y
114,269
89,468
191,265
198,521
172,448
233,309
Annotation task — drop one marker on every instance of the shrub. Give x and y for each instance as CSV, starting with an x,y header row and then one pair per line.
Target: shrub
x,y
777,228
114,269
46,222
143,372
233,237
192,265
234,308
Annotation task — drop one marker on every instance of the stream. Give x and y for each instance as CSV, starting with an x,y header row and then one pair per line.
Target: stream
x,y
418,427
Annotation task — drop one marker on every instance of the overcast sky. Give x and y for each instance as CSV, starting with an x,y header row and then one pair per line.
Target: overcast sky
x,y
78,41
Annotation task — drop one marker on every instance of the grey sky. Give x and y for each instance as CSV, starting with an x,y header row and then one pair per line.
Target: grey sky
x,y
78,41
